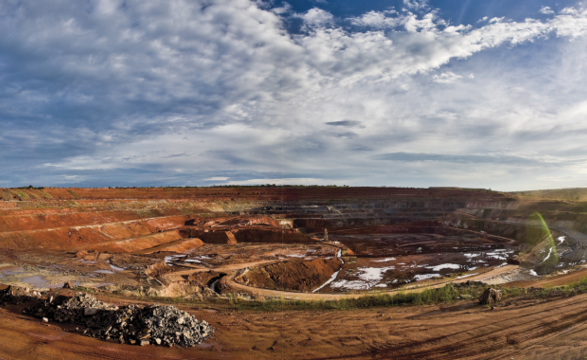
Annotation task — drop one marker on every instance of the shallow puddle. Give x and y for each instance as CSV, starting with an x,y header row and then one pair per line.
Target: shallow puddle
x,y
104,272
40,282
116,268
12,271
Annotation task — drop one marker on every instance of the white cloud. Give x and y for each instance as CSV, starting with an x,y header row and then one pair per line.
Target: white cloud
x,y
496,20
218,178
221,86
317,18
483,19
546,10
446,77
378,19
416,4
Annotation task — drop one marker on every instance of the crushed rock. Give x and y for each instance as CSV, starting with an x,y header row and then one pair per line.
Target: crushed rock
x,y
68,309
130,324
17,295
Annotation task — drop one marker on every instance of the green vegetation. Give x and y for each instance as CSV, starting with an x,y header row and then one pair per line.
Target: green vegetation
x,y
578,284
45,195
428,296
22,195
85,289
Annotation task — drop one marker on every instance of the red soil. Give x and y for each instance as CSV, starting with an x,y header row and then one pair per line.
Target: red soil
x,y
82,236
296,274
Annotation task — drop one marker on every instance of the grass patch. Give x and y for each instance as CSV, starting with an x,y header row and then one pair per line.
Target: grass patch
x,y
445,294
581,283
85,289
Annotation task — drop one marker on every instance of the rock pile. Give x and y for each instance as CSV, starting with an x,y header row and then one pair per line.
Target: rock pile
x,y
17,295
156,324
490,296
131,324
69,309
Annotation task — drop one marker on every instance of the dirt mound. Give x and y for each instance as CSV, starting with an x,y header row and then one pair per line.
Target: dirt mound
x,y
186,290
297,274
155,324
202,279
490,296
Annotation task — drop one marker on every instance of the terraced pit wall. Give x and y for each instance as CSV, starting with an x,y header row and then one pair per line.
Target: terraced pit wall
x,y
60,218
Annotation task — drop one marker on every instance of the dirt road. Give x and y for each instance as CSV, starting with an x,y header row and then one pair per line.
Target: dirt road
x,y
233,270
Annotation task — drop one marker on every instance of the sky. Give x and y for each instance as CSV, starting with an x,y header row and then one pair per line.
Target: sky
x,y
410,93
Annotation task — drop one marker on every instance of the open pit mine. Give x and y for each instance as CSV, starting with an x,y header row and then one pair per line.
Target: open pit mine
x,y
291,272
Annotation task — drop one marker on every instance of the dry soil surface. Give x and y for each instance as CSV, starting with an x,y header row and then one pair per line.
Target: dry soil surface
x,y
519,329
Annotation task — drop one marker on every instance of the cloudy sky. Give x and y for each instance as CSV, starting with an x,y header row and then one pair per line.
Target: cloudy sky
x,y
398,92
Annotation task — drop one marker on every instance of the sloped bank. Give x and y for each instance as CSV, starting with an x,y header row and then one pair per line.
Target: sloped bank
x,y
295,274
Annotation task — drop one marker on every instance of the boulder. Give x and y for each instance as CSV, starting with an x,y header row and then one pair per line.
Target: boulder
x,y
490,296
90,311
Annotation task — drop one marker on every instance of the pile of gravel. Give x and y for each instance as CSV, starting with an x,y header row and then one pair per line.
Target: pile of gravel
x,y
77,309
131,324
17,295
